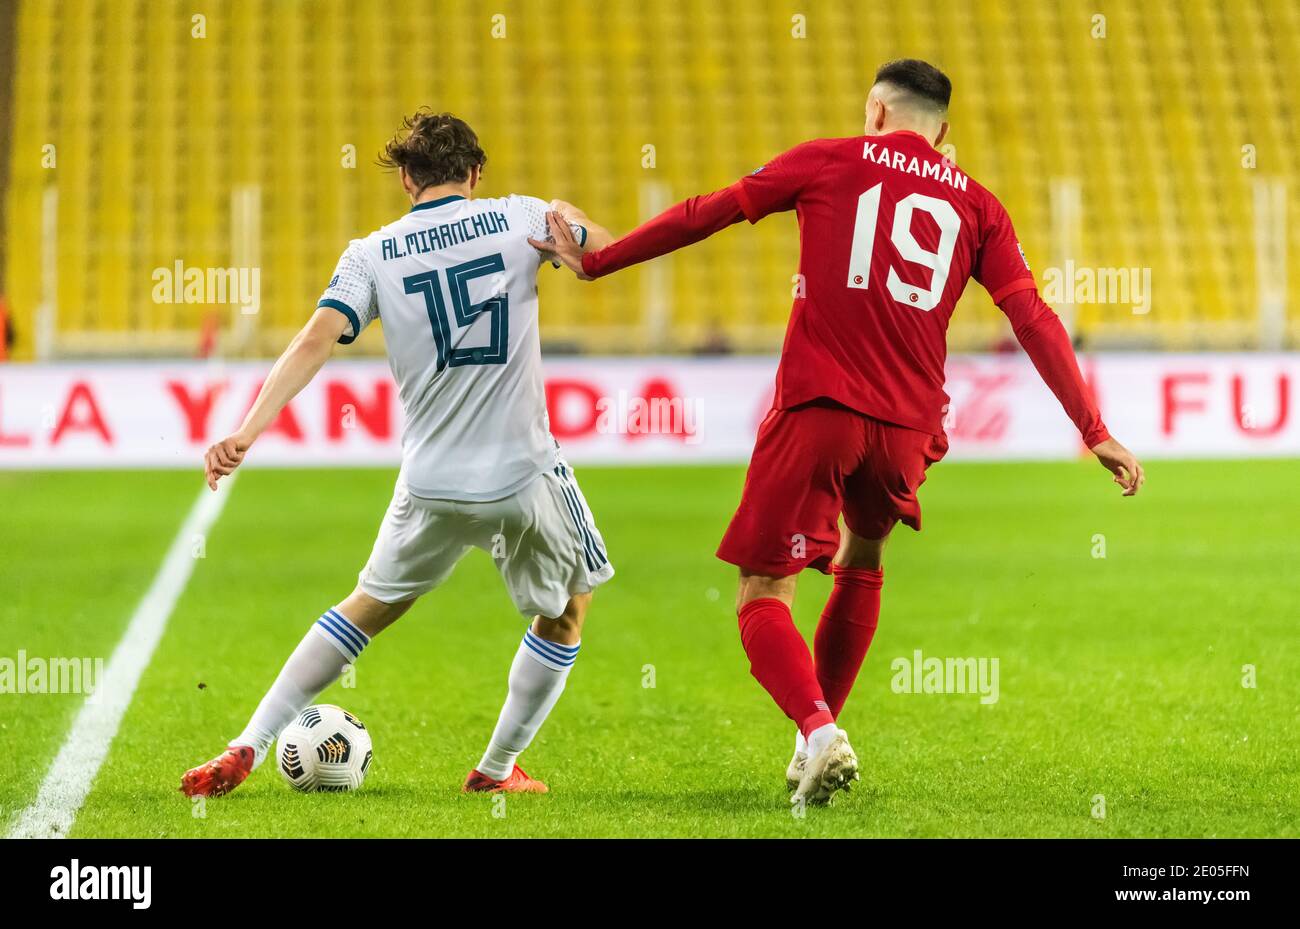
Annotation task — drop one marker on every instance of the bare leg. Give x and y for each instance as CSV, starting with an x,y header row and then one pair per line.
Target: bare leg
x,y
758,586
372,616
857,552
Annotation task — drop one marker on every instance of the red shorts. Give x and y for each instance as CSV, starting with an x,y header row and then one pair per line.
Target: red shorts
x,y
810,464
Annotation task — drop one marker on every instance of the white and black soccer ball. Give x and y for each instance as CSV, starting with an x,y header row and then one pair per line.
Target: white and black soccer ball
x,y
325,748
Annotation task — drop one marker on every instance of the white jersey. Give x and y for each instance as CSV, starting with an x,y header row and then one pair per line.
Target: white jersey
x,y
455,283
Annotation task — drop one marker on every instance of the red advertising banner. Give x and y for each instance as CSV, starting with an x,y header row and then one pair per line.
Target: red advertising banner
x,y
631,410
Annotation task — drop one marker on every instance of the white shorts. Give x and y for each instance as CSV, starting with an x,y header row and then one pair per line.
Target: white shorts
x,y
542,538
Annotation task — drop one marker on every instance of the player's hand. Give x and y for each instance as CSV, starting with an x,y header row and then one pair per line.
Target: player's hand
x,y
545,246
223,458
1120,462
561,245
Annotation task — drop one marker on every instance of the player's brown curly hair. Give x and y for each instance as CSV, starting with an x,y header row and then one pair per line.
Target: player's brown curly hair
x,y
434,148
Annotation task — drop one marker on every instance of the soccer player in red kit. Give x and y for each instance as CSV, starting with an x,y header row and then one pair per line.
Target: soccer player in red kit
x,y
890,232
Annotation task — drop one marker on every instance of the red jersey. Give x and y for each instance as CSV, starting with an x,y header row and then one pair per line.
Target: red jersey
x,y
890,231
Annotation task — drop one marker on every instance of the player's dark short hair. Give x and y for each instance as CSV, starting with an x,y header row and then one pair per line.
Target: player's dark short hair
x,y
919,79
434,148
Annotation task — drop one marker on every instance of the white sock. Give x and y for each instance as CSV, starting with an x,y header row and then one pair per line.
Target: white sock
x,y
537,677
329,646
800,743
821,737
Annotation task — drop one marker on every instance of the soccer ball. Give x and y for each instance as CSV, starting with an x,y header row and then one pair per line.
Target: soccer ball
x,y
325,748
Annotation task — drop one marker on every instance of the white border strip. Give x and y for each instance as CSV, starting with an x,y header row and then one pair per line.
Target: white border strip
x,y
74,769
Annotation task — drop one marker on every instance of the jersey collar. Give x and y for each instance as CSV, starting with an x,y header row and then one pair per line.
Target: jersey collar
x,y
430,204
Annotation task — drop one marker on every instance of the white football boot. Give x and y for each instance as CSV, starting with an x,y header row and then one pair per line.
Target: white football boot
x,y
794,770
831,770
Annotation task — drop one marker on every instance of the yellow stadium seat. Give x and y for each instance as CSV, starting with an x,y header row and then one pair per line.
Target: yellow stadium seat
x,y
164,118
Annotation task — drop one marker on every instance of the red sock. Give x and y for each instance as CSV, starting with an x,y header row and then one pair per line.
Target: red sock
x,y
845,631
779,660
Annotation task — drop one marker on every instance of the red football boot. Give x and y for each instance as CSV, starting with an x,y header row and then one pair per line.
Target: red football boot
x,y
516,782
221,775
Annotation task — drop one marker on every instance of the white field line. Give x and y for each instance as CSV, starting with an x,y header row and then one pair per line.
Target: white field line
x,y
73,771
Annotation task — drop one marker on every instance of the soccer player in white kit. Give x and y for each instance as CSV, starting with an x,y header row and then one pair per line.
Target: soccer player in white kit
x,y
455,283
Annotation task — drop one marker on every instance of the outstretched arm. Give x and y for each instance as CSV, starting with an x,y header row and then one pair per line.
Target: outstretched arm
x,y
1039,331
773,188
308,351
676,227
684,224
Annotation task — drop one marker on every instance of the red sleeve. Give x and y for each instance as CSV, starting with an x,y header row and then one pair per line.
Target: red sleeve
x,y
776,186
771,189
1047,344
1001,265
676,227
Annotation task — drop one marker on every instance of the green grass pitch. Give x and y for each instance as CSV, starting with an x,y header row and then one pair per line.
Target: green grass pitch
x,y
1120,677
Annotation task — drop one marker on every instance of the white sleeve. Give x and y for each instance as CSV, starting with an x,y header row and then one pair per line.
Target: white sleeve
x,y
535,211
351,291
